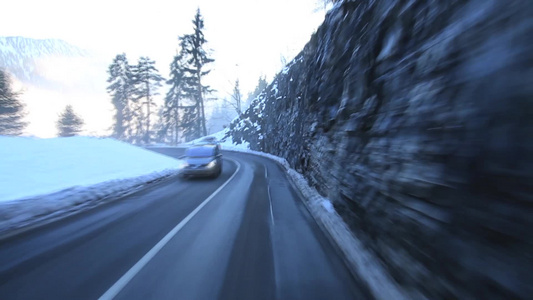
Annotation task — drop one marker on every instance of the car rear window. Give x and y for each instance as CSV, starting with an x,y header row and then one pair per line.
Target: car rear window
x,y
200,152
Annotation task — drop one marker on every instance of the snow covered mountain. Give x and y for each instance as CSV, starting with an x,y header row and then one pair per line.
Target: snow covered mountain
x,y
21,56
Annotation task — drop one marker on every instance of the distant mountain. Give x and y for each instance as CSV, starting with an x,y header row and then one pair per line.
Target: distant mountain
x,y
20,56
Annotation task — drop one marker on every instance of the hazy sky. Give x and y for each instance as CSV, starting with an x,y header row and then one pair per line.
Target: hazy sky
x,y
247,37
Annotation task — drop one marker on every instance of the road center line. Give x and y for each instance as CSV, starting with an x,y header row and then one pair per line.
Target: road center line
x,y
270,202
269,198
115,289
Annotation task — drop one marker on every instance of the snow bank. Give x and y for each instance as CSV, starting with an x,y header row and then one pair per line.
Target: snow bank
x,y
44,177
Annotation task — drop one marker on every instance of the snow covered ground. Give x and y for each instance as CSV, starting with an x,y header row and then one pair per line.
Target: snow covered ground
x,y
50,176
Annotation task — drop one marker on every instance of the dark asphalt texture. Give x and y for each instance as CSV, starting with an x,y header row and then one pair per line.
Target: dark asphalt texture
x,y
252,240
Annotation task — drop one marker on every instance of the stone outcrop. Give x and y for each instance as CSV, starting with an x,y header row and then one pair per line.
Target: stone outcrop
x,y
416,119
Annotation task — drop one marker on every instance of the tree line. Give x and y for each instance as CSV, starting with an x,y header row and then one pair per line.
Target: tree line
x,y
182,116
132,88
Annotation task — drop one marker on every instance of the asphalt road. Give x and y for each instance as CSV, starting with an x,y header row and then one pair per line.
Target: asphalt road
x,y
244,235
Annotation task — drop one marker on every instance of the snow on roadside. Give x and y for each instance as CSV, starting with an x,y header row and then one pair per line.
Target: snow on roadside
x,y
40,178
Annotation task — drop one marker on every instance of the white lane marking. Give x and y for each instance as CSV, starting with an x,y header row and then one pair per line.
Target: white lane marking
x,y
269,198
270,202
113,291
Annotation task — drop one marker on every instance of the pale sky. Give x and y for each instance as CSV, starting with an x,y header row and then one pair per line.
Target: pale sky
x,y
247,37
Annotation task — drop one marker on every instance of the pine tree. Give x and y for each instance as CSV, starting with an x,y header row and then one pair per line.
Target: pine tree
x,y
11,109
121,89
147,81
184,109
170,114
189,123
69,123
195,69
261,85
236,98
161,128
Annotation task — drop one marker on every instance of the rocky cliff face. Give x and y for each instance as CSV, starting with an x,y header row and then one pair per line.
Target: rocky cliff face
x,y
416,119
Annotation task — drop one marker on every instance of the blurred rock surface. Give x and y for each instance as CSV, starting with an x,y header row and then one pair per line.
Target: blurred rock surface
x,y
416,119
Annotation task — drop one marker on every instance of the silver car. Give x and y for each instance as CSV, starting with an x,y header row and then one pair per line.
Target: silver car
x,y
202,161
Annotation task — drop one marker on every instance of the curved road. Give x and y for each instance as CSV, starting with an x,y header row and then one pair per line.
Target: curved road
x,y
245,235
